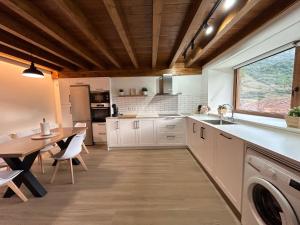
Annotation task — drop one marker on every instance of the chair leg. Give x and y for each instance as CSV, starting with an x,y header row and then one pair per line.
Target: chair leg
x,y
41,162
85,148
18,192
55,171
82,162
71,170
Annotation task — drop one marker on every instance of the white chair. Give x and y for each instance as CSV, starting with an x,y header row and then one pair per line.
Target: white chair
x,y
6,178
83,145
73,151
48,148
3,139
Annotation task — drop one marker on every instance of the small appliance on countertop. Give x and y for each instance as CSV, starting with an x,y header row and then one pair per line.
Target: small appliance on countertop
x,y
115,110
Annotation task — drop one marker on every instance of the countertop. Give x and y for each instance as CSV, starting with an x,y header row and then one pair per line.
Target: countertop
x,y
282,144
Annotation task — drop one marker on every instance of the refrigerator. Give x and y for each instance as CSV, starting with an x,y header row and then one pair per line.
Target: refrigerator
x,y
81,109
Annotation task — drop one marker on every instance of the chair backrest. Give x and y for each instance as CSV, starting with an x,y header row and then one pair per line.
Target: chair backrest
x,y
4,138
74,147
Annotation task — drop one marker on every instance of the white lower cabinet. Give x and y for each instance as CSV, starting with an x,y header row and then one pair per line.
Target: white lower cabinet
x,y
221,154
99,132
128,132
228,162
113,132
146,132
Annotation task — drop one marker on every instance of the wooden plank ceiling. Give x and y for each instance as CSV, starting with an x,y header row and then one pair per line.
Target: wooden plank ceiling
x,y
126,37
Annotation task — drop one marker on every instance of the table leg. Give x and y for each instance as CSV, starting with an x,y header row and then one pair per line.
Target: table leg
x,y
26,176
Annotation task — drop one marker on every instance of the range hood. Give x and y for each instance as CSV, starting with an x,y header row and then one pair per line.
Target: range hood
x,y
166,85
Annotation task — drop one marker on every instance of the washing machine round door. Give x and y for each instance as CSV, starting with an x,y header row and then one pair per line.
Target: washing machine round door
x,y
268,204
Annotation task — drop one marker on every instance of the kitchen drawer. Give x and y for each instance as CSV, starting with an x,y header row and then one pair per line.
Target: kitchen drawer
x,y
171,139
100,138
171,125
99,128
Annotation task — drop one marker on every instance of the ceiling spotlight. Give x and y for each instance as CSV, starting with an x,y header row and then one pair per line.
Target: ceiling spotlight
x,y
208,29
33,72
228,4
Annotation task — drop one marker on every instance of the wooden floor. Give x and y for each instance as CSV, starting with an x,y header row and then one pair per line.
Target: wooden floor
x,y
130,187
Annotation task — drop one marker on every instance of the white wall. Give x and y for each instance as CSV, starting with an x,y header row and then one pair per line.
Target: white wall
x,y
24,101
138,83
220,87
192,87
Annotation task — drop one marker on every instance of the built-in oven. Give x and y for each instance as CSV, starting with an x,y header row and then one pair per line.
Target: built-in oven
x,y
100,111
100,97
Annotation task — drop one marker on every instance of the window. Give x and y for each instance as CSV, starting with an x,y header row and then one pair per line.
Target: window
x,y
265,87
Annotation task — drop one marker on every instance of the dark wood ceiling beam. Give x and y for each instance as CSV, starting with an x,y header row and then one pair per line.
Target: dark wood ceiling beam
x,y
188,32
252,16
131,73
30,12
119,22
20,30
156,23
79,19
27,48
27,57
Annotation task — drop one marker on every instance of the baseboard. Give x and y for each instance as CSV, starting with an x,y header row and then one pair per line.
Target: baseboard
x,y
224,196
147,147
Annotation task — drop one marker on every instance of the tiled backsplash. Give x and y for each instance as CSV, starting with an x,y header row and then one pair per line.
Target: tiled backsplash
x,y
159,104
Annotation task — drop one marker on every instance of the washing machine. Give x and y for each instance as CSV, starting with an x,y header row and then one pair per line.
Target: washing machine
x,y
271,190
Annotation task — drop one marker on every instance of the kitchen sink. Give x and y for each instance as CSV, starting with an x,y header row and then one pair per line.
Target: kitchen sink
x,y
219,122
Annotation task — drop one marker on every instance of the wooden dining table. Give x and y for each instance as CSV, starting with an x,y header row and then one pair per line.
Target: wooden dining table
x,y
20,154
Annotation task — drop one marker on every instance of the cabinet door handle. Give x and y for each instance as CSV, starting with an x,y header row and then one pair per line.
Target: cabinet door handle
x,y
137,124
117,125
223,135
194,128
70,109
171,126
70,98
171,136
202,132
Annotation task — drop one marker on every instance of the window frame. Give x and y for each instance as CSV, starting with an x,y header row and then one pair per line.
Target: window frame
x,y
295,98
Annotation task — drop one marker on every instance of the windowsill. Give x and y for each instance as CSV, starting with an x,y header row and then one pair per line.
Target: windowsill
x,y
268,122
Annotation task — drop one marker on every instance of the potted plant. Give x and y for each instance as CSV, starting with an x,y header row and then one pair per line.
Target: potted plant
x,y
145,91
121,92
293,117
222,109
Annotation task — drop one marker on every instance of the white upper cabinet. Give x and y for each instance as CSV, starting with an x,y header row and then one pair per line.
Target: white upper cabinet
x,y
99,84
96,84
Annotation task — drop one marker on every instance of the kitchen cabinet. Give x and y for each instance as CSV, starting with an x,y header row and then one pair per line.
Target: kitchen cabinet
x,y
206,146
170,131
128,133
193,136
113,132
146,132
64,91
99,132
228,162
